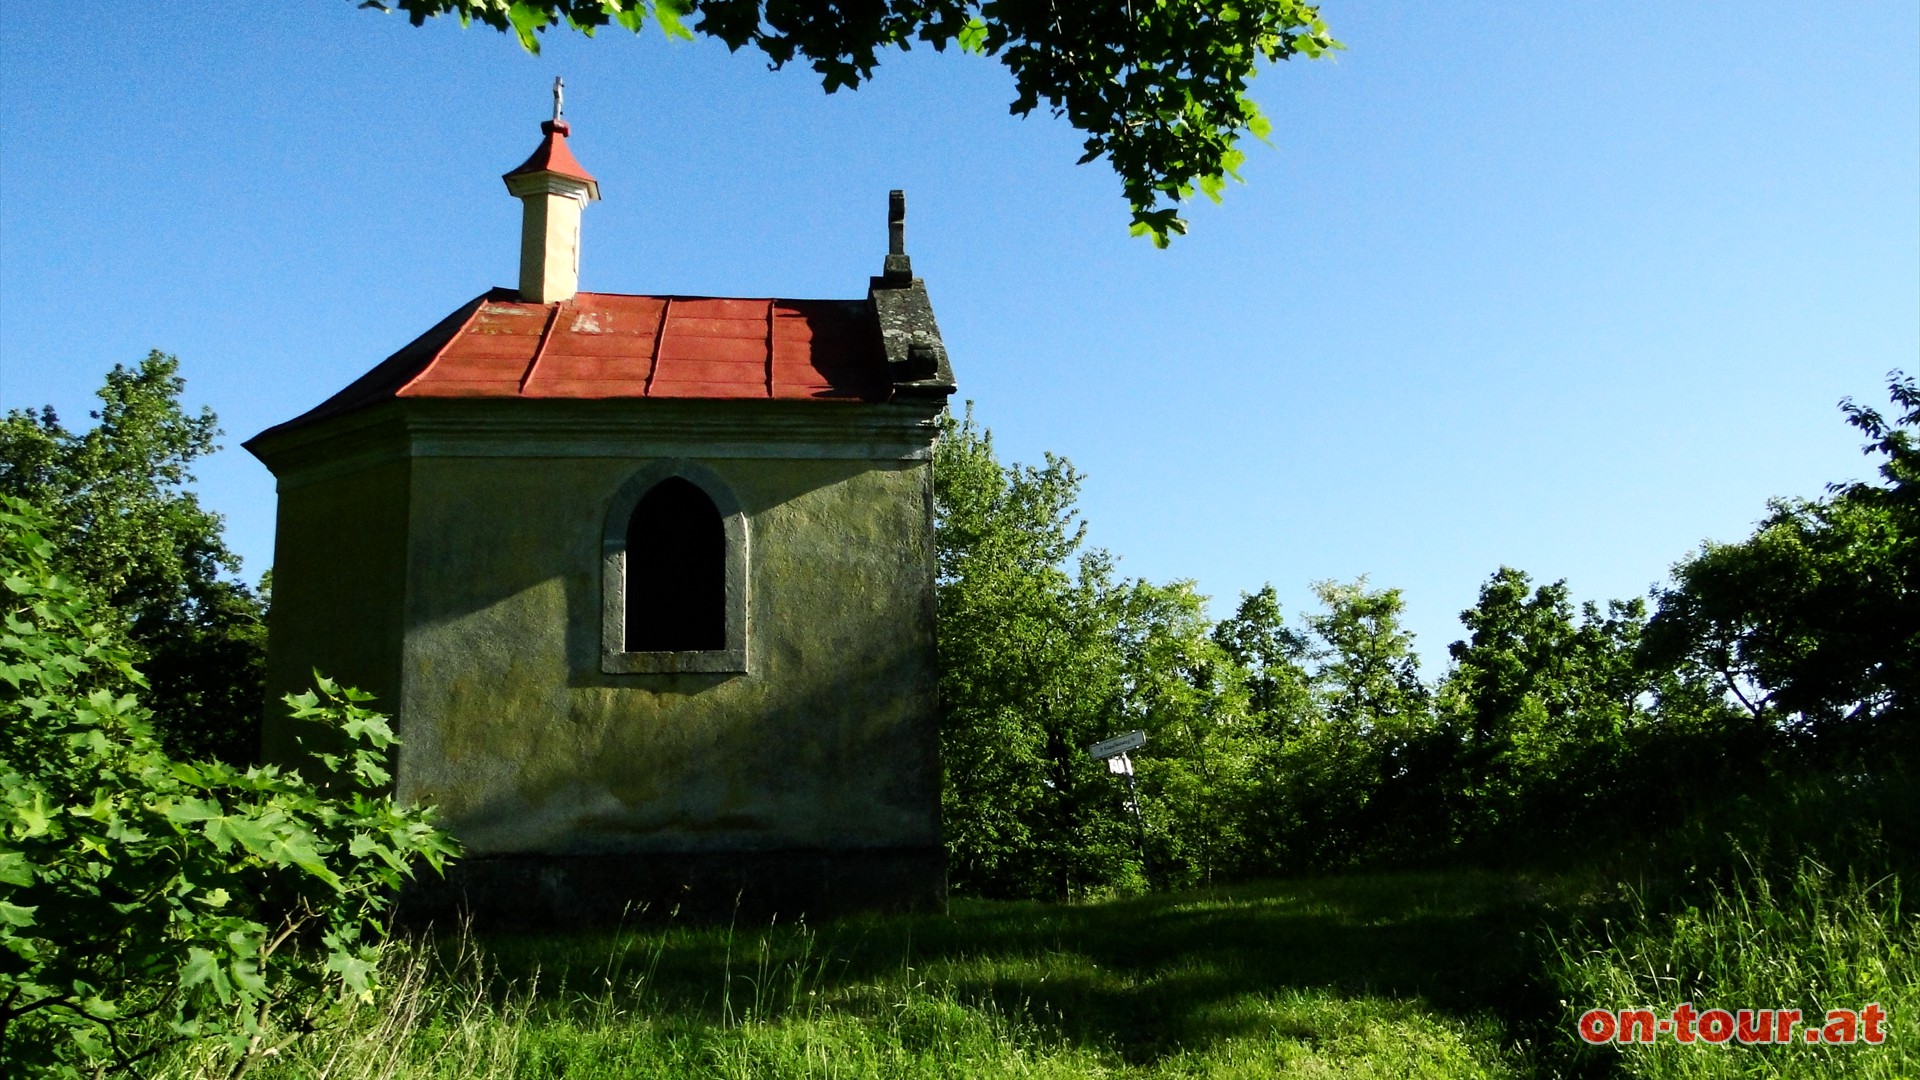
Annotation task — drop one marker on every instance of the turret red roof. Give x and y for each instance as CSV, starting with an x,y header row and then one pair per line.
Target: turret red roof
x,y
553,156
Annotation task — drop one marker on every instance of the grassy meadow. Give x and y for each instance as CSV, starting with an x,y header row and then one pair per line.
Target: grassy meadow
x,y
1390,975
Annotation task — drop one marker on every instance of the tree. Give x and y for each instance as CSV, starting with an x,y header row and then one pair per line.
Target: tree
x,y
1548,707
1812,624
1159,89
1368,675
1533,686
127,527
1365,768
1191,696
1258,639
1340,769
1030,673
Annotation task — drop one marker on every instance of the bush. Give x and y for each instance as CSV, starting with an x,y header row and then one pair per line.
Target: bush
x,y
145,901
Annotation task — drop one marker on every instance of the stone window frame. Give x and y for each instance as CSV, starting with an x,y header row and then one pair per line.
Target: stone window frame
x,y
614,657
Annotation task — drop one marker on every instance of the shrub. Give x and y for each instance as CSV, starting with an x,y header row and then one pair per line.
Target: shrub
x,y
145,901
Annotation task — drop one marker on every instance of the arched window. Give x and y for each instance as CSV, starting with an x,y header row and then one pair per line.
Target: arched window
x,y
676,571
675,574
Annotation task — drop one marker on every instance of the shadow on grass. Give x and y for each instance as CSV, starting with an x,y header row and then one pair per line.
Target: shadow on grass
x,y
1142,977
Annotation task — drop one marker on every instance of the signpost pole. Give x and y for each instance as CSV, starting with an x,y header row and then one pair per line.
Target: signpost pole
x,y
1114,752
1139,822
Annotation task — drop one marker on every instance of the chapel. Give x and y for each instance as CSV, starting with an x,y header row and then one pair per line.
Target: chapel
x,y
646,581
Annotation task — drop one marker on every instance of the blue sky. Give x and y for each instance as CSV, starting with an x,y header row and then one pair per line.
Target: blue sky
x,y
1568,287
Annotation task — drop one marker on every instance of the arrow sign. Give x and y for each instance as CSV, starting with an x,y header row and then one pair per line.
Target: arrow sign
x,y
1119,744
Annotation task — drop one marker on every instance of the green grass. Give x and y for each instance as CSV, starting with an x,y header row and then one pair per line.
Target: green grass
x,y
1813,941
1370,976
1385,975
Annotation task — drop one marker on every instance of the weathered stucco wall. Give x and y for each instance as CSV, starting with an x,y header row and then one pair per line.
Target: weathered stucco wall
x,y
447,556
829,741
339,561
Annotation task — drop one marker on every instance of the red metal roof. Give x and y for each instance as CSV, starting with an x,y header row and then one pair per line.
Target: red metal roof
x,y
606,345
602,345
553,156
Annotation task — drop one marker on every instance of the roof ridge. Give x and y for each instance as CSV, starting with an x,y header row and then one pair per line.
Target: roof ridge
x,y
376,383
770,346
540,350
659,335
473,311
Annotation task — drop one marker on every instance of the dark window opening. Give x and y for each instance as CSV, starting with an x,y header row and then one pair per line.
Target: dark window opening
x,y
676,571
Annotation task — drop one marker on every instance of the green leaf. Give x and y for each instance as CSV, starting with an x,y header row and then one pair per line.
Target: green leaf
x,y
355,971
527,20
35,817
203,966
147,912
672,16
16,915
299,850
189,810
973,36
632,15
15,869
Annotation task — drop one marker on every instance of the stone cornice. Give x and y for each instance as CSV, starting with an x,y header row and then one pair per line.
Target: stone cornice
x,y
549,183
901,430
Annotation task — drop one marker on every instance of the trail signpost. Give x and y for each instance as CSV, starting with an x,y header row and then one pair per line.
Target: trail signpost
x,y
1114,752
1117,746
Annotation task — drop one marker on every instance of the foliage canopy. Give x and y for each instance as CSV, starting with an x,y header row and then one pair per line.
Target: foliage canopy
x,y
1160,89
1813,622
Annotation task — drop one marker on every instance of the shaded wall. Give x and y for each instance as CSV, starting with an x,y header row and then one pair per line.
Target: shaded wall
x,y
339,584
828,741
